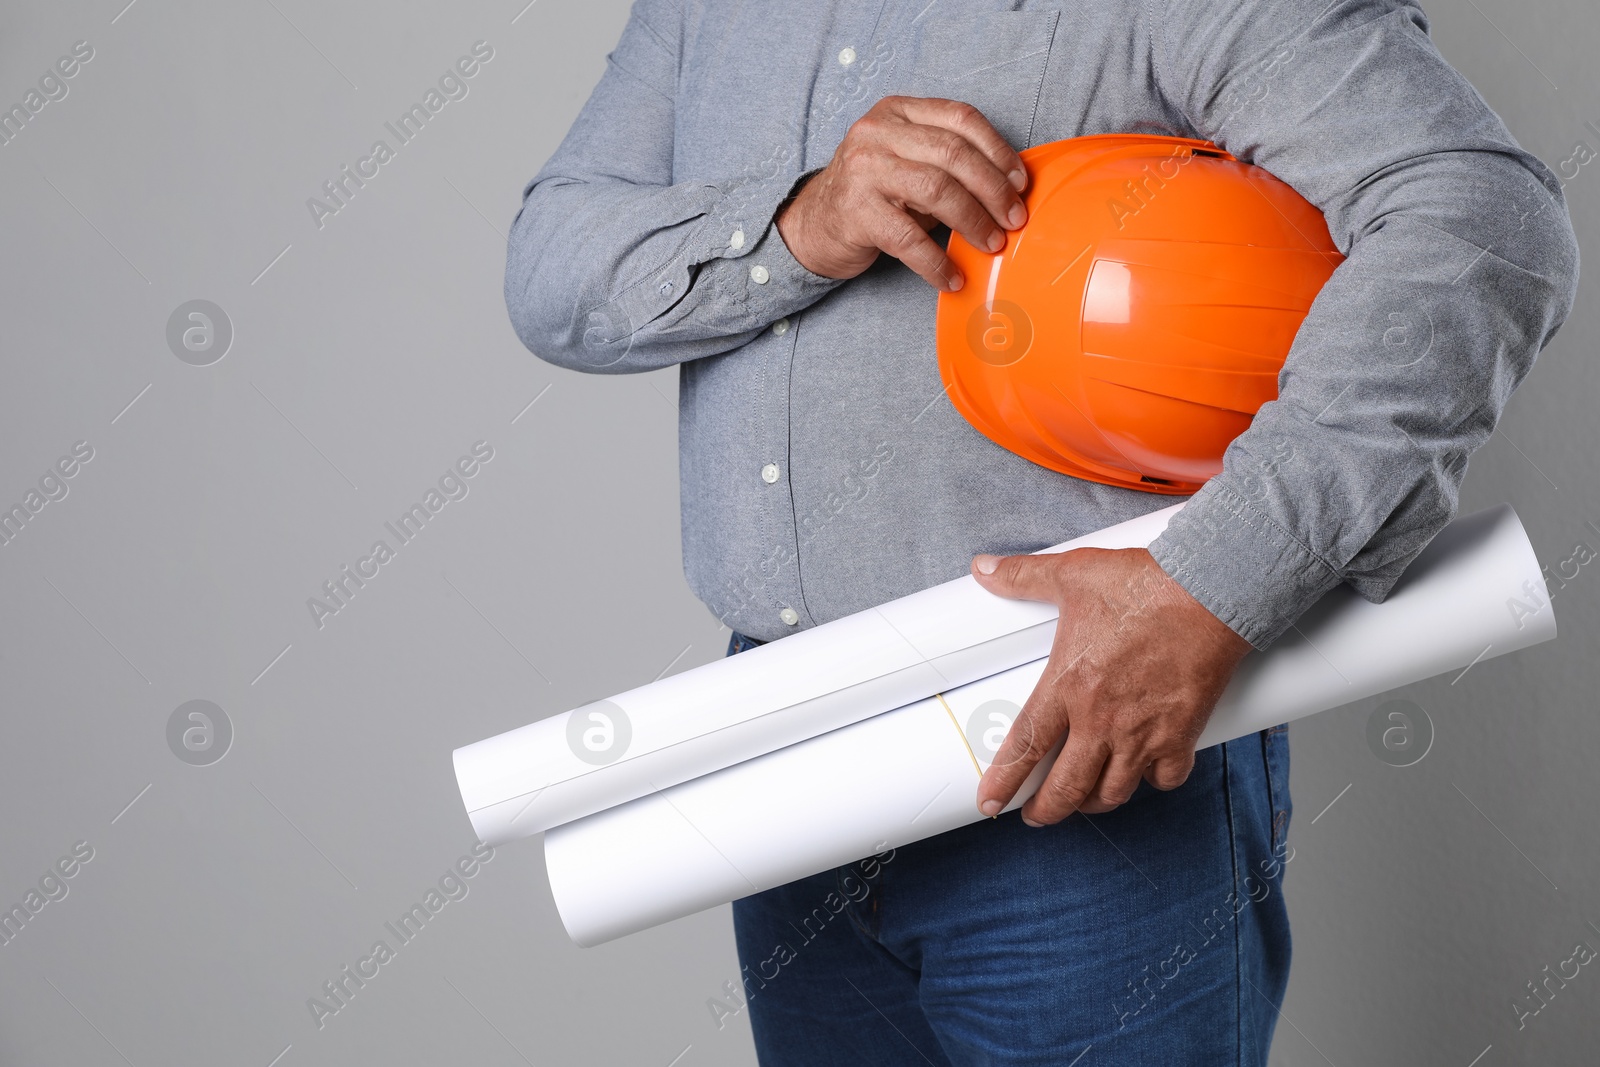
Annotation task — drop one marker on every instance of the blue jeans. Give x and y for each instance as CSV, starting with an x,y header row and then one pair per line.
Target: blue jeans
x,y
1153,934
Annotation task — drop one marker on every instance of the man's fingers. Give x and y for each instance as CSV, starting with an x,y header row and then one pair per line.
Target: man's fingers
x,y
902,236
1118,780
1169,772
976,173
921,161
928,189
1070,783
969,122
1024,746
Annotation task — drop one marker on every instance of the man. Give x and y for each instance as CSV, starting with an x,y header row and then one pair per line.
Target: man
x,y
760,194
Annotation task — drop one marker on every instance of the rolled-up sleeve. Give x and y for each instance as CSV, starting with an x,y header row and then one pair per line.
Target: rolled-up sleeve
x,y
613,267
1460,265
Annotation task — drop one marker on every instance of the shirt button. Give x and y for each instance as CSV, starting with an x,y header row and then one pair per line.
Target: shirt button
x,y
759,275
847,57
781,327
769,473
789,616
737,240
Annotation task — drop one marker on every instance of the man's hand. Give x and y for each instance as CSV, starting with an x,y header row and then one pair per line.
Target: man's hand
x,y
904,167
1137,666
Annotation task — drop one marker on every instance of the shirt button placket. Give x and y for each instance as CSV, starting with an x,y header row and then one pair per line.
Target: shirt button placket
x,y
782,591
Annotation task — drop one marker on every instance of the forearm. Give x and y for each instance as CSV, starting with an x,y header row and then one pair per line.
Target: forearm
x,y
1400,374
1460,266
615,277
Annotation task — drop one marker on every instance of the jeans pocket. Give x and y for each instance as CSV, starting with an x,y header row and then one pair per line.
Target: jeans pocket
x,y
1275,755
993,60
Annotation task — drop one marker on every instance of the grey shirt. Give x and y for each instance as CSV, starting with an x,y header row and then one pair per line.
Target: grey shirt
x,y
823,469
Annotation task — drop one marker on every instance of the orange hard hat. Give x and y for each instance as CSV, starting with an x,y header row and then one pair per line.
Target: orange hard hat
x,y
1138,320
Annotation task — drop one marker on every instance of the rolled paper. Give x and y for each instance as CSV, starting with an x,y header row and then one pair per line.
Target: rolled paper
x,y
734,709
1475,593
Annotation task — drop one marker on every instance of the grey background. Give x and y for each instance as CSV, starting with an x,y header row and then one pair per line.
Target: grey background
x,y
370,354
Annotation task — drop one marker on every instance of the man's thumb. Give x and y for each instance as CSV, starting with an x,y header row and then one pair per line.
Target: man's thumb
x,y
1018,577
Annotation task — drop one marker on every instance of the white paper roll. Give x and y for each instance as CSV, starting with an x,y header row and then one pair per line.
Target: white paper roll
x,y
734,709
911,773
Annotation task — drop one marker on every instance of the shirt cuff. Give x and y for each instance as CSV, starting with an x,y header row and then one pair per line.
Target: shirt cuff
x,y
732,274
1247,570
744,257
